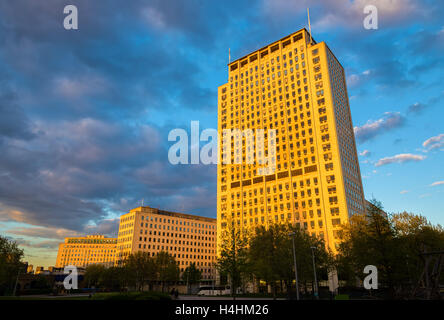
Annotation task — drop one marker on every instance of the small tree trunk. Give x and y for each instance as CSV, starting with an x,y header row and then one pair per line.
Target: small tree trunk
x,y
274,290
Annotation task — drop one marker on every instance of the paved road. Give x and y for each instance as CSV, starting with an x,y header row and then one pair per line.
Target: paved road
x,y
222,298
47,296
182,298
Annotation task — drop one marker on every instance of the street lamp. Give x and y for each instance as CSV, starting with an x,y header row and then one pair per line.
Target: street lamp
x,y
314,270
16,281
292,234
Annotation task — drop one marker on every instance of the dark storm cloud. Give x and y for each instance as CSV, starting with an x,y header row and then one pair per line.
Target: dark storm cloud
x,y
76,138
108,227
40,232
13,121
382,53
119,63
81,162
48,244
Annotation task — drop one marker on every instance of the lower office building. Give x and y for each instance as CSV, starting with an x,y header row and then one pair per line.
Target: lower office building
x,y
188,238
84,251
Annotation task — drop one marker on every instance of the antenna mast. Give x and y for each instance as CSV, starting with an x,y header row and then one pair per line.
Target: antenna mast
x,y
309,25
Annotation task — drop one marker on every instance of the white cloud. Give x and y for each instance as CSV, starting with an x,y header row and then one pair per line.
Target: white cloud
x,y
404,192
371,129
154,17
437,183
356,79
399,158
352,80
435,142
365,153
349,14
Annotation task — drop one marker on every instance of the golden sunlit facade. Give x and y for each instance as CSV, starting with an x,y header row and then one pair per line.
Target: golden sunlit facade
x,y
188,238
84,251
297,87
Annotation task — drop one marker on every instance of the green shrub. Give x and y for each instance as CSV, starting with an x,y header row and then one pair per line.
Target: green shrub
x,y
27,292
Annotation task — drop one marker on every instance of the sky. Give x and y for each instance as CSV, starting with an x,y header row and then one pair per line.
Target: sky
x,y
85,114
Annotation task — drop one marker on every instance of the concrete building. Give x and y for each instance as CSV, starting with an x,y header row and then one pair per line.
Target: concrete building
x,y
39,270
83,251
189,238
296,87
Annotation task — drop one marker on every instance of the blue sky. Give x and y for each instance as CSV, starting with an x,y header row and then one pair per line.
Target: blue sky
x,y
85,114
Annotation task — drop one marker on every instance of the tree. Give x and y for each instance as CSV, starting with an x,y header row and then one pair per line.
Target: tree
x,y
417,237
307,246
394,244
167,269
191,275
10,265
141,268
94,275
271,255
114,278
40,282
232,260
268,254
408,223
369,239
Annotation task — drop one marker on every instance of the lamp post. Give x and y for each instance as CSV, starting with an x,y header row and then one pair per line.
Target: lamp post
x,y
295,265
214,278
188,274
314,271
16,281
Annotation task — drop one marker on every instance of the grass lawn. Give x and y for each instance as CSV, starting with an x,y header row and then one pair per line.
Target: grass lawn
x,y
98,296
45,298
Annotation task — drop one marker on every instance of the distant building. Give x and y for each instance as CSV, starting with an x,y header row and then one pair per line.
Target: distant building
x,y
30,269
84,251
370,206
39,270
51,279
188,238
